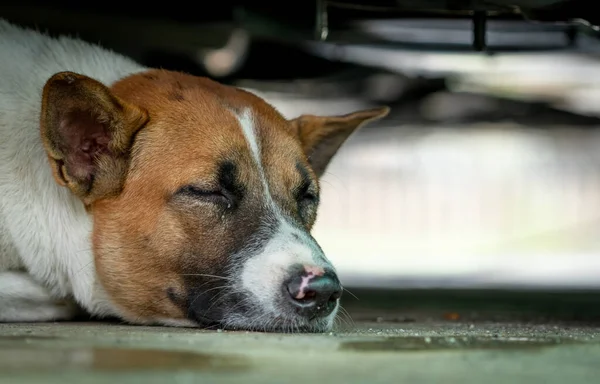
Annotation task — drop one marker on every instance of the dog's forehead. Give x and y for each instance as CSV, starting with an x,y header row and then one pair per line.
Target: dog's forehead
x,y
185,98
195,123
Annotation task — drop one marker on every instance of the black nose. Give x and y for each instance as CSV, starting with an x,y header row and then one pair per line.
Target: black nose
x,y
312,295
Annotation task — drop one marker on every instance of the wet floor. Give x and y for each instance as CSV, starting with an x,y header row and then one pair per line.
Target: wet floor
x,y
376,353
377,347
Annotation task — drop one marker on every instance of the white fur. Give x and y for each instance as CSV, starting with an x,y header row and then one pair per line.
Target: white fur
x,y
263,274
44,230
24,299
45,233
246,121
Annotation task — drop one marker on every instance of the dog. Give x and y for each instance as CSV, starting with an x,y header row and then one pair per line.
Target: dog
x,y
157,197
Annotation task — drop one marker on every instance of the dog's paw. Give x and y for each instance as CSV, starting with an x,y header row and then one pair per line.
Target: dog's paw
x,y
22,299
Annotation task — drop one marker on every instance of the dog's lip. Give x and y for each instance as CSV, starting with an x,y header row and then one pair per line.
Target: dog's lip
x,y
279,324
204,322
283,327
284,321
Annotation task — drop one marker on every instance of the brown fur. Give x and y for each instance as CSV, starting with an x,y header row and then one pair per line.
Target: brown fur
x,y
67,97
170,130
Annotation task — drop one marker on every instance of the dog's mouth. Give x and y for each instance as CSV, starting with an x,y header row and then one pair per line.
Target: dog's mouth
x,y
265,292
276,324
239,314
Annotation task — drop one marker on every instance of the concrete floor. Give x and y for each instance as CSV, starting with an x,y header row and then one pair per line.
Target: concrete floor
x,y
436,347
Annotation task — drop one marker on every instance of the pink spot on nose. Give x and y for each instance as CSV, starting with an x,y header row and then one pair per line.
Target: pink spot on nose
x,y
311,273
314,270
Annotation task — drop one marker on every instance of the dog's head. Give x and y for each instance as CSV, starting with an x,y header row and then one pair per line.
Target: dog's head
x,y
202,197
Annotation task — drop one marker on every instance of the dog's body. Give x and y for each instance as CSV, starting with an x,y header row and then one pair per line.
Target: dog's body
x,y
45,252
86,159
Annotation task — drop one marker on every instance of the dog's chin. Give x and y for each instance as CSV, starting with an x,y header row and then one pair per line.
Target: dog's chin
x,y
240,322
267,322
278,324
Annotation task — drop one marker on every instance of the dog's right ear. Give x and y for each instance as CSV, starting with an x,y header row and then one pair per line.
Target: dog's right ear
x,y
322,136
87,132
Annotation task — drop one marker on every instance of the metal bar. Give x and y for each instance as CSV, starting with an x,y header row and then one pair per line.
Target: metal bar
x,y
479,30
322,28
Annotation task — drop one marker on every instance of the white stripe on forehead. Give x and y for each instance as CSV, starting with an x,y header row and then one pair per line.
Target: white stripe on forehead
x,y
286,229
263,273
246,121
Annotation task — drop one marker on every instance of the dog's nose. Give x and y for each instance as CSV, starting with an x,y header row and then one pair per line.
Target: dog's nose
x,y
313,292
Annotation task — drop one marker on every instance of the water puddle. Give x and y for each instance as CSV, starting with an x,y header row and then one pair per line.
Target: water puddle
x,y
26,338
36,359
399,344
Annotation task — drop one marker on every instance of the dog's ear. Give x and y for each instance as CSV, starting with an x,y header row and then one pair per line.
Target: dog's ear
x,y
322,136
87,133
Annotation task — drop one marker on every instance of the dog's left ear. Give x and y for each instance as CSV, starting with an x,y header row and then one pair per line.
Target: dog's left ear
x,y
87,132
322,136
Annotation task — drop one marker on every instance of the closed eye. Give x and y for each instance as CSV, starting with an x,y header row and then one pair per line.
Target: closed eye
x,y
213,196
309,196
305,194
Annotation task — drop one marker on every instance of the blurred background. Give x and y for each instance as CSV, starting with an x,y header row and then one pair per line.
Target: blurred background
x,y
486,174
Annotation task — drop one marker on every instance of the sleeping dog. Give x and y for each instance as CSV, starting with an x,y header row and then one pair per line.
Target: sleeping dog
x,y
155,196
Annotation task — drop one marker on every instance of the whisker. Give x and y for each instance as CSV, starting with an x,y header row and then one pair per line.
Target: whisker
x,y
218,297
240,304
345,316
350,293
206,275
204,292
